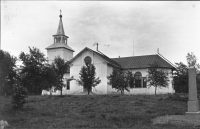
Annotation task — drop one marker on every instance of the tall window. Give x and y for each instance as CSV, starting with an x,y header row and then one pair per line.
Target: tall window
x,y
68,85
59,39
144,82
138,79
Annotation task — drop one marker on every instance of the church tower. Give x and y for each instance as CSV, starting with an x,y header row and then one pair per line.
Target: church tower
x,y
60,46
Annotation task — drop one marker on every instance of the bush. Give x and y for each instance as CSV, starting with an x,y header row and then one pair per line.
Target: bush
x,y
18,97
177,97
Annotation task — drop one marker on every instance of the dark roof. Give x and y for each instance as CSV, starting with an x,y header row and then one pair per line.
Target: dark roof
x,y
59,45
142,61
110,61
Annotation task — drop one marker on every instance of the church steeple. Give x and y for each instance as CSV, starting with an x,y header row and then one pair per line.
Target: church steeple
x,y
60,36
60,26
60,46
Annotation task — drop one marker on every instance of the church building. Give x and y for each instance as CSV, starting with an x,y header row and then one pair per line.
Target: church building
x,y
104,65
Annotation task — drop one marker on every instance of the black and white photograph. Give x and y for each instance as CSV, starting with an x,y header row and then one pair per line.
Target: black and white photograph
x,y
100,64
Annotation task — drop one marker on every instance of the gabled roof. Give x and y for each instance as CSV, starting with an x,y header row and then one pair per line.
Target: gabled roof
x,y
110,61
59,45
142,61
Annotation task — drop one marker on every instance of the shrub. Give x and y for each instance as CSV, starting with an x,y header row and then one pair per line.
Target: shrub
x,y
18,97
177,97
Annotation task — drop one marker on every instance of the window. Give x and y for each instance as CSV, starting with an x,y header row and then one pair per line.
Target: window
x,y
144,82
68,69
131,83
59,39
138,83
88,60
138,79
68,85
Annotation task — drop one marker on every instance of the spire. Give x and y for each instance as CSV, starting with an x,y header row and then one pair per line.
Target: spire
x,y
60,26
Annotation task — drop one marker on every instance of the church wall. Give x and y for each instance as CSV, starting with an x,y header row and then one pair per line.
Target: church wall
x,y
143,71
78,61
63,53
74,87
151,90
52,53
164,90
109,87
147,90
67,55
101,72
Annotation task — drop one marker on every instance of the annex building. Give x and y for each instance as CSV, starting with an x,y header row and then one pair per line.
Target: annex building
x,y
138,65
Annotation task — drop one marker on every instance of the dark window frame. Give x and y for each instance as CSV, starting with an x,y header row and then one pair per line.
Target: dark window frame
x,y
68,85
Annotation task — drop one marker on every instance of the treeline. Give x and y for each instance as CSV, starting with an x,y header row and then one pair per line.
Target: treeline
x,y
34,72
181,74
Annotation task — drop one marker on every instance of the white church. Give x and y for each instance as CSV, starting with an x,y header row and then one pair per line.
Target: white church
x,y
138,65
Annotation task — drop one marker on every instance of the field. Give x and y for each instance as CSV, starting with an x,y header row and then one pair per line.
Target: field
x,y
103,111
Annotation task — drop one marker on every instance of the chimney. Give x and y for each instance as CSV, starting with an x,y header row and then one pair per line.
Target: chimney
x,y
97,47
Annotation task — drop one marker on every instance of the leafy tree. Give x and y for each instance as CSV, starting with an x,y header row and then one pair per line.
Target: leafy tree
x,y
19,95
87,77
7,72
131,79
192,61
157,77
198,83
50,78
120,80
61,67
181,78
31,71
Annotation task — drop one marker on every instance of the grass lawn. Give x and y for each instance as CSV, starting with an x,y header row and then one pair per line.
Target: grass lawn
x,y
103,111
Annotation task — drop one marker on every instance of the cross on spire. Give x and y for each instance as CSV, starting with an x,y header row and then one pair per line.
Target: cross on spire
x,y
60,14
60,26
60,11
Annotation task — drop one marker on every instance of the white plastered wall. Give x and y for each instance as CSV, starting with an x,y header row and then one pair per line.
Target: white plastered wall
x,y
147,90
151,90
63,53
101,72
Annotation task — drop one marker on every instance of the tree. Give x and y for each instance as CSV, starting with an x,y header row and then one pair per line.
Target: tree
x,y
120,80
131,79
50,78
31,71
61,67
157,77
198,83
181,78
192,61
87,77
19,95
7,72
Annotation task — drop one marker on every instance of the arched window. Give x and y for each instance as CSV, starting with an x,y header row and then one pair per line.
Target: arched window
x,y
88,60
56,39
59,38
138,79
63,39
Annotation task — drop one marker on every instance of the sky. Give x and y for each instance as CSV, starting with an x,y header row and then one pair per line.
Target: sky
x,y
122,28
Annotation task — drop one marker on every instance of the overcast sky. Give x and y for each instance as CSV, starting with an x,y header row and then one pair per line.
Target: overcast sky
x,y
173,27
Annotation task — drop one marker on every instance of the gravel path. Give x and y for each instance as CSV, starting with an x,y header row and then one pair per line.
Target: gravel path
x,y
180,120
